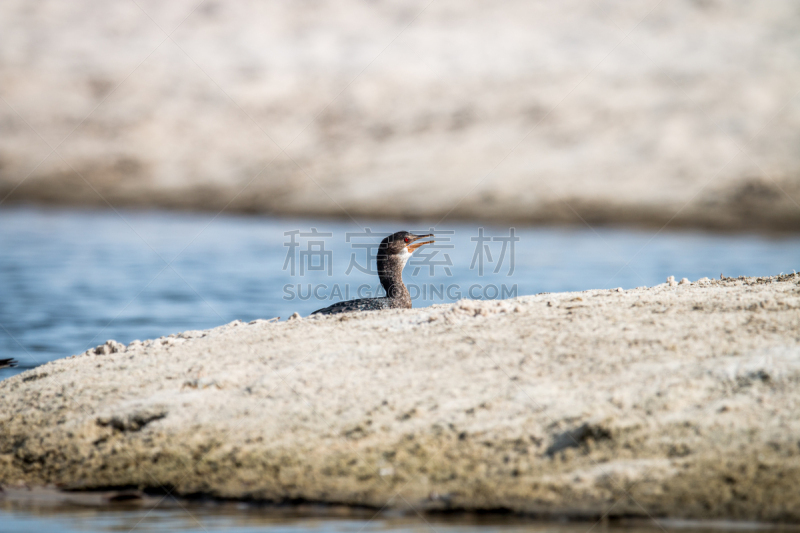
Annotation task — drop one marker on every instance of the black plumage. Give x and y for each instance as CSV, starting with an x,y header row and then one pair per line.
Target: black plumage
x,y
393,253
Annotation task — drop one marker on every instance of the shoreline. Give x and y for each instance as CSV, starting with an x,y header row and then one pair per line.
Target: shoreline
x,y
674,400
55,500
636,218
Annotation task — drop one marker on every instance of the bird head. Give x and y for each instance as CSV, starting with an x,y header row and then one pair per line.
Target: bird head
x,y
402,244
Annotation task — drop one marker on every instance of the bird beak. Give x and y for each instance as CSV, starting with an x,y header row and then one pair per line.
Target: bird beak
x,y
414,244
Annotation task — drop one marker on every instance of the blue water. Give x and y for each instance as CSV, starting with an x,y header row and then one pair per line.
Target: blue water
x,y
71,279
186,517
25,518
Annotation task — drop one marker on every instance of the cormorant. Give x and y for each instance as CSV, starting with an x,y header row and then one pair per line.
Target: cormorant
x,y
393,253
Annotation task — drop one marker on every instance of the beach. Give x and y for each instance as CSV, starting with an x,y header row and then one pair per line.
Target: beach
x,y
678,400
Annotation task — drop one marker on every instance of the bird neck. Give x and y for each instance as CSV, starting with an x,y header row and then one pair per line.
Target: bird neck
x,y
390,272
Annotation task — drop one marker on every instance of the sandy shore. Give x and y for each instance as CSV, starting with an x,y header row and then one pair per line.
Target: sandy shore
x,y
679,400
612,112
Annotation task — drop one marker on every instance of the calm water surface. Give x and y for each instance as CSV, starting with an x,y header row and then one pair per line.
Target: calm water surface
x,y
189,518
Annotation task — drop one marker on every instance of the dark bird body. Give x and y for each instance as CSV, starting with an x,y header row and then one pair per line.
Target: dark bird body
x,y
6,363
393,253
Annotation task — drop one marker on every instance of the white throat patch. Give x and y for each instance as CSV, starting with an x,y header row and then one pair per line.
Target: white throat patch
x,y
405,255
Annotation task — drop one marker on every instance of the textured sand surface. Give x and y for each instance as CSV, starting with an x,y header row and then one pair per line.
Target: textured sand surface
x,y
612,111
678,400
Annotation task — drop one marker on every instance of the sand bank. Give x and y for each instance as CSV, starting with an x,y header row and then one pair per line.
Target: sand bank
x,y
679,400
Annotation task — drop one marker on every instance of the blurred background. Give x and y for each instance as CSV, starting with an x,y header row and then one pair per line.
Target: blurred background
x,y
610,111
625,140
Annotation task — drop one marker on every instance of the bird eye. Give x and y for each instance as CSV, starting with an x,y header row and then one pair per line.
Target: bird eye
x,y
406,239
